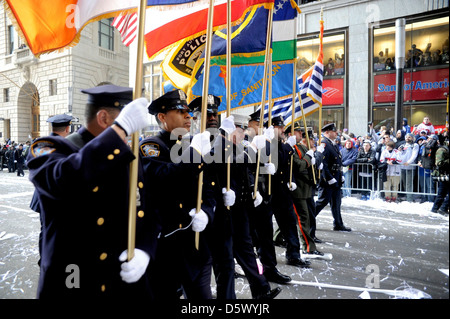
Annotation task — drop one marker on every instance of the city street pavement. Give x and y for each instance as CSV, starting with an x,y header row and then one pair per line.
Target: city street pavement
x,y
394,251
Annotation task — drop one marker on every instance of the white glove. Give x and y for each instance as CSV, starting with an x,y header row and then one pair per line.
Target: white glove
x,y
258,200
270,168
343,178
201,143
200,220
133,270
229,197
321,166
292,186
320,148
259,141
311,154
292,140
269,133
332,181
228,124
134,116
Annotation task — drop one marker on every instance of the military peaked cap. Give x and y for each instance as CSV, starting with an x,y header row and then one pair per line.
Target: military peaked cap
x,y
60,120
172,100
329,127
109,95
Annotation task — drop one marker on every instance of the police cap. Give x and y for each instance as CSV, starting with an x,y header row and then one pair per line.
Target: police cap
x,y
329,127
109,95
256,116
60,120
241,120
278,121
296,127
212,105
173,100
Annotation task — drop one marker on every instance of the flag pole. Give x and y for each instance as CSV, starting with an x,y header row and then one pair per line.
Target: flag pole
x,y
294,89
205,103
228,85
269,191
263,100
135,136
320,106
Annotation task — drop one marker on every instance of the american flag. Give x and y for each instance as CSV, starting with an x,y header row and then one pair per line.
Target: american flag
x,y
127,25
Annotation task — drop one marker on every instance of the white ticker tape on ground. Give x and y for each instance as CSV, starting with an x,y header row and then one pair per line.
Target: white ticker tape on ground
x,y
406,293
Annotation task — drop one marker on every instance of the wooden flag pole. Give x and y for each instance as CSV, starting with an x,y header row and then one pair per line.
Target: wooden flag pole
x,y
263,100
137,93
228,85
269,123
209,30
294,89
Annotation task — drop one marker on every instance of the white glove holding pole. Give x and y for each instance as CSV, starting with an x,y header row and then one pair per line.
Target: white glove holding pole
x,y
200,220
228,124
133,270
269,168
311,154
229,197
259,142
258,200
269,133
292,140
292,186
201,143
321,166
320,148
134,116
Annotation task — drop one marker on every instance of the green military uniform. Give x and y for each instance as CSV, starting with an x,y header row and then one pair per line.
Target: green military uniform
x,y
302,175
442,172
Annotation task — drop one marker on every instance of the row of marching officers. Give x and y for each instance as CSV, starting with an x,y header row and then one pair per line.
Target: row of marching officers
x,y
180,237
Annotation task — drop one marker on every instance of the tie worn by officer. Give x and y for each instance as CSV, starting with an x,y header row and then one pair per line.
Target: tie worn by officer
x,y
172,164
83,200
331,178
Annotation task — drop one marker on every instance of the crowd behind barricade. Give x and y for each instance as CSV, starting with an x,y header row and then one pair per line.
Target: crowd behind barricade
x,y
398,166
13,156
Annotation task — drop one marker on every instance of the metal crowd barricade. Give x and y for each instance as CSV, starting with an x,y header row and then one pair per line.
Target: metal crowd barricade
x,y
416,183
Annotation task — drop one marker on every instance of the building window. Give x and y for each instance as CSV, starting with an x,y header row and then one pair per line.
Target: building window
x,y
333,84
52,87
6,97
426,73
11,36
106,34
153,79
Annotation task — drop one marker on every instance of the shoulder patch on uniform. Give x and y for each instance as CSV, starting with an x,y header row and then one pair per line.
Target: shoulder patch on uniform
x,y
323,144
245,143
150,149
42,147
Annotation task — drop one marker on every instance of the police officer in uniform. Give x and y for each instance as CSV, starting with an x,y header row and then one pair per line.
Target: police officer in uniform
x,y
261,216
331,177
84,248
282,204
172,167
220,233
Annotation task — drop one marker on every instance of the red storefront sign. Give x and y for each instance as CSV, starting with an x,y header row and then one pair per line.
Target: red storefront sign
x,y
333,92
423,85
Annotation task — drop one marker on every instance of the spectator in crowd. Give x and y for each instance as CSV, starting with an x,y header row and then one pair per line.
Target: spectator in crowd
x,y
442,173
408,155
427,157
390,171
406,127
426,126
349,154
366,156
400,138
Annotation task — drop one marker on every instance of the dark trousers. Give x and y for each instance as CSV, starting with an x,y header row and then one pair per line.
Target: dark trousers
x,y
442,198
302,212
262,233
221,245
170,271
243,249
20,169
287,222
330,194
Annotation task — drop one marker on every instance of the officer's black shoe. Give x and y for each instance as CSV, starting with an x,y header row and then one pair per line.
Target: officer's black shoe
x,y
314,252
298,262
317,240
276,276
342,228
271,294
